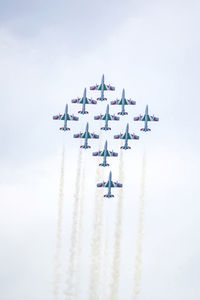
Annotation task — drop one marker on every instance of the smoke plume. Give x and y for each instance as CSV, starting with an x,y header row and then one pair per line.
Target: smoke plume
x,y
57,275
118,237
139,249
95,271
70,293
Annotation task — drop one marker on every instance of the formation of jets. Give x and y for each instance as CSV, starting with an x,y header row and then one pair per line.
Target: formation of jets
x,y
126,136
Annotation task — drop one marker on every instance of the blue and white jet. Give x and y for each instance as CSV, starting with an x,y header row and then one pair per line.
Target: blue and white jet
x,y
109,184
86,135
102,87
107,117
126,136
105,153
123,101
84,100
66,117
146,118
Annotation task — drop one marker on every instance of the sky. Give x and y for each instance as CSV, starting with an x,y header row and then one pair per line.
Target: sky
x,y
49,52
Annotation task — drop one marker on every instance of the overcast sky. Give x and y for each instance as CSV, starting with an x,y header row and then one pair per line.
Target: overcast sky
x,y
49,52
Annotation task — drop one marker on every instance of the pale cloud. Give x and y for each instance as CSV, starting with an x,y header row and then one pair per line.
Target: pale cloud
x,y
47,59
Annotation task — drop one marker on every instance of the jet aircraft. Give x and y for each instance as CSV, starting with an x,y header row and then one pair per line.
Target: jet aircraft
x,y
107,117
123,102
126,136
86,135
105,153
66,117
146,118
109,184
84,100
102,87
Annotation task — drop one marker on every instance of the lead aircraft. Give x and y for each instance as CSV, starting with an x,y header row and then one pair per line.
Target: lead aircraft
x,y
102,87
86,135
105,153
123,102
66,117
107,117
146,118
84,100
126,136
109,184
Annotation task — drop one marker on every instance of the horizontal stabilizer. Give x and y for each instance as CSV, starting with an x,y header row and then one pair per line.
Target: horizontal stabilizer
x,y
64,129
125,147
109,196
83,112
143,129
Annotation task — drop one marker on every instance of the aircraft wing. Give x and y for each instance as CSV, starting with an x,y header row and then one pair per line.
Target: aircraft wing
x,y
99,117
133,137
78,135
153,118
126,102
114,102
57,117
131,102
94,136
117,184
101,184
112,153
73,118
94,87
77,100
123,136
139,118
114,118
91,101
118,136
110,88
101,153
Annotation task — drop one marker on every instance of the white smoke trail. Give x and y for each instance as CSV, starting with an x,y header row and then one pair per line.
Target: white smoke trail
x,y
57,276
80,234
95,271
105,267
139,250
74,234
118,237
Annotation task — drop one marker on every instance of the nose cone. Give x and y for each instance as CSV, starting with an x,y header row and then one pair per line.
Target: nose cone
x,y
87,126
102,78
123,93
66,109
84,93
146,110
127,127
107,109
106,145
110,176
